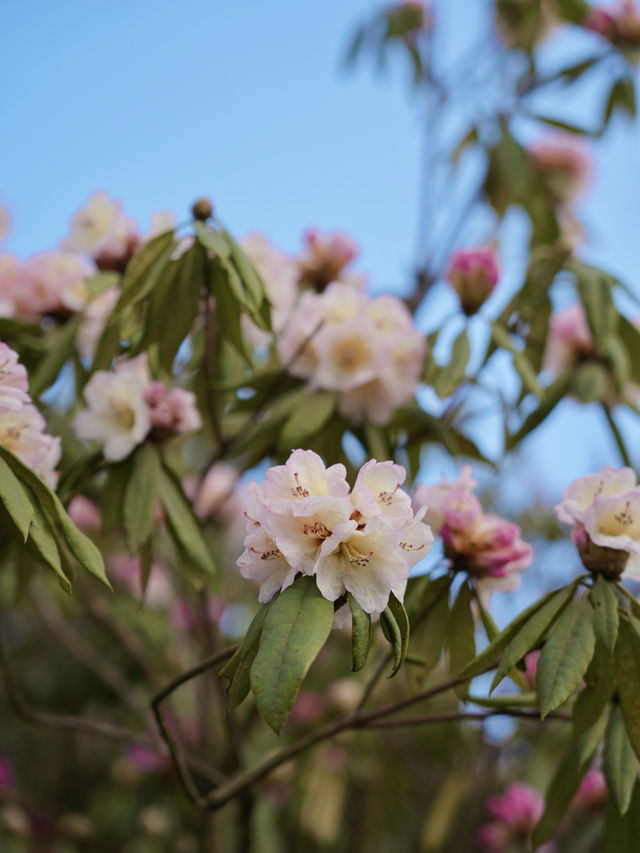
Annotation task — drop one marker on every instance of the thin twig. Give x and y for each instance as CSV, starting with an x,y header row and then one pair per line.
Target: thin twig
x,y
455,716
626,460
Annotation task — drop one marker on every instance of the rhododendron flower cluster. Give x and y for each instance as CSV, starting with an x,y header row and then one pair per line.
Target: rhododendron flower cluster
x,y
124,406
473,274
305,519
365,348
100,229
485,545
514,816
48,283
325,256
21,424
604,509
563,160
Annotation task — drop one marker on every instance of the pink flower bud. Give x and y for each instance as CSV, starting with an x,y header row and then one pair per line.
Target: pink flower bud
x,y
599,559
473,274
325,257
564,162
172,412
592,793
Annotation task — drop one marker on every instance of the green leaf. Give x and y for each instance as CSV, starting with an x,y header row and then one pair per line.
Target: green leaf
x,y
237,670
307,419
566,781
552,395
153,253
15,500
605,613
592,701
461,632
113,492
402,621
620,763
533,630
565,655
430,637
211,240
183,524
60,346
449,377
360,634
594,290
140,497
182,287
296,627
622,97
80,545
627,670
44,543
525,370
499,643
621,833
393,634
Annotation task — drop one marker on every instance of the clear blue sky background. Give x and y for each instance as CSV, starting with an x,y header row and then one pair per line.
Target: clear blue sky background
x,y
160,102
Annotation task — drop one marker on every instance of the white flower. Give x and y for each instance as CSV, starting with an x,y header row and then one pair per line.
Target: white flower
x,y
435,496
377,492
94,320
302,476
13,380
579,496
101,229
22,432
613,521
117,414
263,561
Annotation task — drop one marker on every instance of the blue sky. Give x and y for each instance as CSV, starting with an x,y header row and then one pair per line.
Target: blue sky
x,y
160,102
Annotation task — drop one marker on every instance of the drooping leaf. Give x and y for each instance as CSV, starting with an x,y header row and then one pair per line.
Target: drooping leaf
x,y
620,763
237,670
429,638
565,655
627,671
140,496
605,612
296,627
532,631
112,496
461,634
307,419
621,833
593,699
44,542
80,545
392,632
15,500
154,252
360,634
566,781
402,620
183,524
60,346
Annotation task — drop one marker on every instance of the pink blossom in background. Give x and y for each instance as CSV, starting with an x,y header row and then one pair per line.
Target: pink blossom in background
x,y
13,380
569,339
366,349
147,760
484,545
592,792
85,514
10,267
515,814
172,411
220,496
126,571
565,163
325,256
619,22
101,230
473,274
94,320
531,664
51,282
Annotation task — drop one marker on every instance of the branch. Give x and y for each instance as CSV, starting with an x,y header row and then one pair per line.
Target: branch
x,y
455,716
626,460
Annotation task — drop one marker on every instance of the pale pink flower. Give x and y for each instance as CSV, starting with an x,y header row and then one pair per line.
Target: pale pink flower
x,y
434,496
604,509
117,414
22,432
592,793
515,815
348,355
473,274
100,229
126,570
94,319
53,281
564,162
172,412
377,492
13,380
85,514
581,493
263,561
325,256
218,496
303,475
569,339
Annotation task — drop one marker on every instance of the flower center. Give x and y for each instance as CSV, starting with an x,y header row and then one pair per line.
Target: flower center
x,y
318,530
356,558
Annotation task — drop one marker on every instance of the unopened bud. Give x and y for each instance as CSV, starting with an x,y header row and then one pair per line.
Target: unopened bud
x,y
202,209
609,562
473,274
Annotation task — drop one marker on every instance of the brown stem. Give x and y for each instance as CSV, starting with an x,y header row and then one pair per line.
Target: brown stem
x,y
454,716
